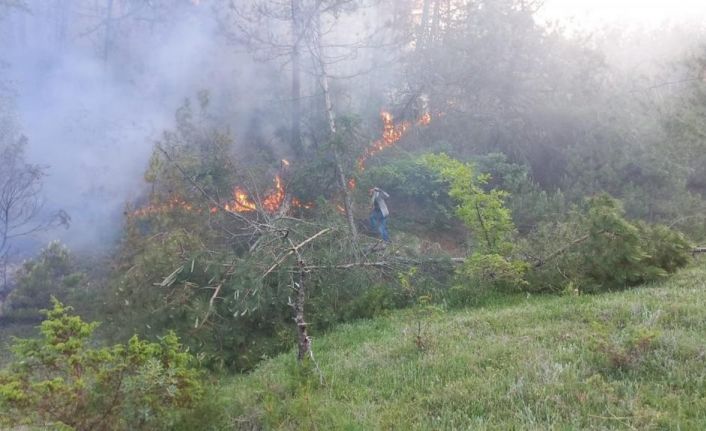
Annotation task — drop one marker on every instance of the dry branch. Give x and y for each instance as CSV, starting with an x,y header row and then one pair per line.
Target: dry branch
x,y
386,263
562,250
294,249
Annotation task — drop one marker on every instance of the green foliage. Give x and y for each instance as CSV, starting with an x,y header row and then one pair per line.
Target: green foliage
x,y
613,254
490,221
599,249
622,352
667,249
61,379
52,273
483,212
415,188
497,270
626,360
528,203
425,310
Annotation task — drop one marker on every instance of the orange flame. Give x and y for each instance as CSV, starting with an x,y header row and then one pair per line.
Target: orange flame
x,y
296,203
425,119
391,134
241,202
172,204
274,199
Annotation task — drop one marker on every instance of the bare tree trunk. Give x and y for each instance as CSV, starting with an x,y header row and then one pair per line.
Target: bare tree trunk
x,y
296,104
331,117
435,25
303,339
422,33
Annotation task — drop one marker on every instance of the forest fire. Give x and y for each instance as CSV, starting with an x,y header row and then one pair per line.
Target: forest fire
x,y
274,199
241,202
391,134
171,205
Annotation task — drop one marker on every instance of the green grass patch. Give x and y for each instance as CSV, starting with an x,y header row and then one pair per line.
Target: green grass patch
x,y
628,360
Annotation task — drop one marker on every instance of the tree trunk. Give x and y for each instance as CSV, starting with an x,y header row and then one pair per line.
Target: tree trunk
x,y
304,341
331,117
435,24
296,104
422,33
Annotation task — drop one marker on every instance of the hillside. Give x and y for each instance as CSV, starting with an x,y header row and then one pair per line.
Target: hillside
x,y
628,360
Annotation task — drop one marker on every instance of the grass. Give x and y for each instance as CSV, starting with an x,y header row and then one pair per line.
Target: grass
x,y
628,360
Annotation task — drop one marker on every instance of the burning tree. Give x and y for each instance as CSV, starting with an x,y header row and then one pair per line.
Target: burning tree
x,y
303,35
228,256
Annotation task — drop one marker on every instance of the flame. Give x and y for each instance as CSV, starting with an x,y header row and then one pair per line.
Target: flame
x,y
241,202
171,205
274,199
391,134
296,203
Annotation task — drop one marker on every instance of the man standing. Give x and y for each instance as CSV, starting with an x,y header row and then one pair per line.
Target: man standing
x,y
379,212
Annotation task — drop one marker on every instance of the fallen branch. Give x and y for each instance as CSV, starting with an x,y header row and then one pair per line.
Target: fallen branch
x,y
210,307
205,194
294,249
562,250
385,263
698,250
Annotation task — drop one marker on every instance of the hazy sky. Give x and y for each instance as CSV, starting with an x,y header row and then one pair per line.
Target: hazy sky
x,y
649,13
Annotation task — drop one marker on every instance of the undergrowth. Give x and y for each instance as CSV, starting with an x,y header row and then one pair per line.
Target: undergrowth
x,y
628,360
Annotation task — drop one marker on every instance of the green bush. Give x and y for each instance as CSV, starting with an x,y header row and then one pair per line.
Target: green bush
x,y
52,273
598,249
61,380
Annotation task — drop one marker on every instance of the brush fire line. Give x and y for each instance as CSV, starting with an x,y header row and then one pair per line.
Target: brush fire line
x,y
242,202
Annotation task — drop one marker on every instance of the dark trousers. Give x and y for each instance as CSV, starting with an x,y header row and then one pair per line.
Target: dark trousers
x,y
379,222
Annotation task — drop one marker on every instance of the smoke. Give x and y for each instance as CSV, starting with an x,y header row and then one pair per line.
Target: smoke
x,y
93,120
93,98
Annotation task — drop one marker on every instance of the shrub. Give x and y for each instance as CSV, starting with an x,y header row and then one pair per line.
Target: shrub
x,y
599,249
62,381
52,273
485,214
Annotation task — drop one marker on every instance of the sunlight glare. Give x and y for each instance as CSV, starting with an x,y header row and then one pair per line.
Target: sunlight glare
x,y
589,14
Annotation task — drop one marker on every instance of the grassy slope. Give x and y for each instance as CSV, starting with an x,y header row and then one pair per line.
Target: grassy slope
x,y
631,360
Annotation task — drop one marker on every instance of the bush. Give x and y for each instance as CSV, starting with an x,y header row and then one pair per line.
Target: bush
x,y
52,273
62,381
600,250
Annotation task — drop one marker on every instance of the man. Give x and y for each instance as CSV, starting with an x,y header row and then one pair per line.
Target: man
x,y
379,213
